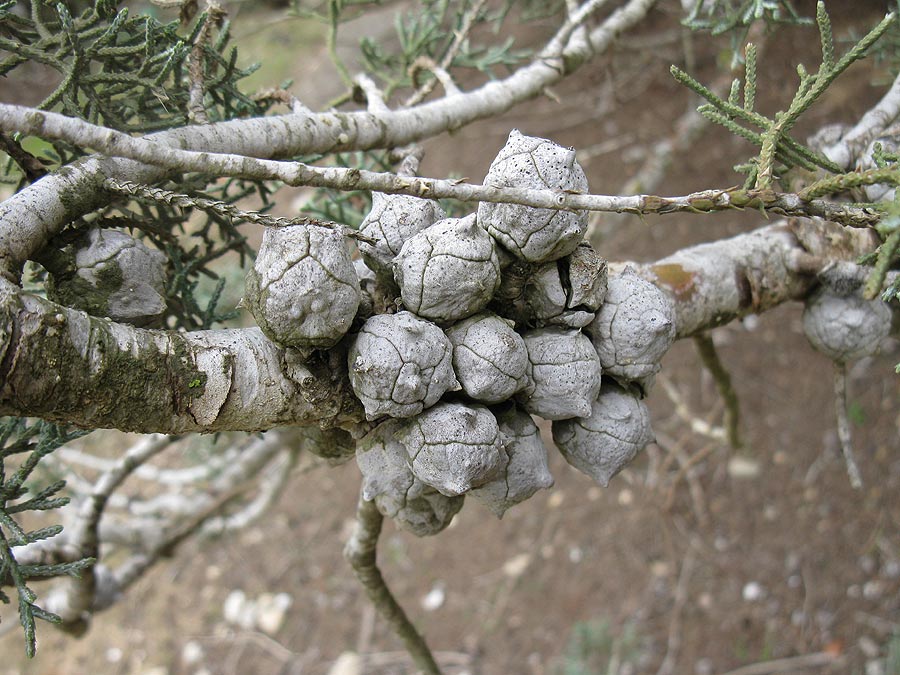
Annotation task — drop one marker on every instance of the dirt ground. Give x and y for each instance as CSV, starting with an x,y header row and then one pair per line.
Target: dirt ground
x,y
698,560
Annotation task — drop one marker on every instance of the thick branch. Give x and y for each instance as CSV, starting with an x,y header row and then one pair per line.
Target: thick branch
x,y
61,364
715,283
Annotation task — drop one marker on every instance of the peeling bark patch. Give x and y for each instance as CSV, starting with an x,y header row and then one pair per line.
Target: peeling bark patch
x,y
218,368
679,281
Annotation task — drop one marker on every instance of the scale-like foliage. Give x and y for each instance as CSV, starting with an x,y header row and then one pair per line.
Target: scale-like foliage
x,y
778,150
94,54
31,441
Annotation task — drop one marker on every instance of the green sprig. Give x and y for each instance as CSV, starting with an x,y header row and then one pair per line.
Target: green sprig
x,y
772,134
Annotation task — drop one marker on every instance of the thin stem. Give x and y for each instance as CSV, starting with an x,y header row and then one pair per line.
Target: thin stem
x,y
843,424
706,348
886,255
360,552
334,20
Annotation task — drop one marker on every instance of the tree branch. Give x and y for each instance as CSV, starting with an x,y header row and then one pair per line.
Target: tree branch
x,y
61,364
878,118
31,217
74,602
715,283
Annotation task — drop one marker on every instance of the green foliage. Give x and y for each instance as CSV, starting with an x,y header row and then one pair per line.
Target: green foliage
x,y
778,150
736,16
887,51
196,242
595,649
95,55
427,35
32,442
722,16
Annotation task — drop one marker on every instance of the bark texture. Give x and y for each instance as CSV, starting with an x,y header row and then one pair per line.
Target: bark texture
x,y
64,365
715,283
61,364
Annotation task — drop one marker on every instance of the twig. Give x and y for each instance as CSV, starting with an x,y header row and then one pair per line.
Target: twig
x,y
815,660
374,96
673,642
697,425
136,566
711,361
843,424
30,165
114,143
224,208
685,467
459,38
197,62
76,596
439,73
560,41
149,472
334,20
360,552
271,487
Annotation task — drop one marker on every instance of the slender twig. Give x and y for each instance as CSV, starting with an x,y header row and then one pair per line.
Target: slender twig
x,y
360,552
807,661
843,424
697,425
440,74
673,642
558,43
334,20
459,39
706,349
197,63
136,566
684,470
30,165
83,539
53,125
374,96
224,208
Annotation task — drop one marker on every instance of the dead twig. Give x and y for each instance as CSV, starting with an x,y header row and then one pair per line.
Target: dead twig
x,y
673,642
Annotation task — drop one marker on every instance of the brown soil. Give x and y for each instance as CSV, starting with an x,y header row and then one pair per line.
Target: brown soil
x,y
671,570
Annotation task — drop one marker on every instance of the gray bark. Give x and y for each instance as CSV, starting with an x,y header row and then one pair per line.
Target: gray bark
x,y
61,364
